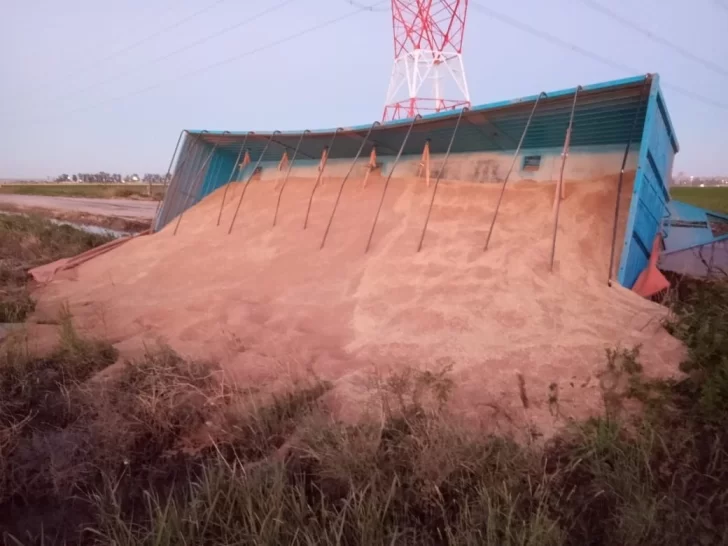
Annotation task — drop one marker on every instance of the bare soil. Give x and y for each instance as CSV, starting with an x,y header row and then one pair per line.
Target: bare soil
x,y
129,191
77,217
272,307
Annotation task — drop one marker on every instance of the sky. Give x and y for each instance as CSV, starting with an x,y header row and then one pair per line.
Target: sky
x,y
91,85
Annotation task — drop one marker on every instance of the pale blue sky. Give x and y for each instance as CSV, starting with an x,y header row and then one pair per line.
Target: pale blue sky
x,y
51,50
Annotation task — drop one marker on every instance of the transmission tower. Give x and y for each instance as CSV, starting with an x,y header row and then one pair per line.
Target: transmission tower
x,y
428,74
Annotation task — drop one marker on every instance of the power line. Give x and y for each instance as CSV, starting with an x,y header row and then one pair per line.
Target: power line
x,y
590,54
149,37
191,45
228,60
365,7
657,39
144,40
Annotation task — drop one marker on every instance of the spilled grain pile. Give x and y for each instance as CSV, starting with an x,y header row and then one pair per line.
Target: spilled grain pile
x,y
272,306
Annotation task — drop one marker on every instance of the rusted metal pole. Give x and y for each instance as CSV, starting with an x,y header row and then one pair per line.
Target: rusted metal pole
x,y
232,174
282,166
439,176
327,150
341,187
643,92
249,180
288,173
510,169
565,155
371,165
425,163
199,176
389,177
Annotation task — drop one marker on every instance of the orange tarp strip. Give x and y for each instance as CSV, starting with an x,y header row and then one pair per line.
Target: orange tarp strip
x,y
651,281
45,273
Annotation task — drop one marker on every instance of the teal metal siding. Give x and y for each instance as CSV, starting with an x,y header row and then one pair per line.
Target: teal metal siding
x,y
691,227
189,175
604,117
650,193
218,173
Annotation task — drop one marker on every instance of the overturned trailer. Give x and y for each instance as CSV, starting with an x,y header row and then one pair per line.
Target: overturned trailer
x,y
619,128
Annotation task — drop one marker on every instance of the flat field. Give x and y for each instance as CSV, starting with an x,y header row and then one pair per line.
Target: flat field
x,y
108,191
715,199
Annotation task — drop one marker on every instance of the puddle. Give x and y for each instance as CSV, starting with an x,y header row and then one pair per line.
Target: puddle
x,y
88,228
96,230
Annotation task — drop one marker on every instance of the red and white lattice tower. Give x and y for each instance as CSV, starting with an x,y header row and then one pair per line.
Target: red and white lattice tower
x,y
428,74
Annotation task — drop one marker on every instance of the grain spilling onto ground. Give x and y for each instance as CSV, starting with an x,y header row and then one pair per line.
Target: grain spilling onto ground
x,y
273,307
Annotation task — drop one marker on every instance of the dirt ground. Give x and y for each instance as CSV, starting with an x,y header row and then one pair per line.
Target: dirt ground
x,y
274,308
118,214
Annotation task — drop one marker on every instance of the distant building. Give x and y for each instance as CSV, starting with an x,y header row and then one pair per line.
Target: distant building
x,y
699,181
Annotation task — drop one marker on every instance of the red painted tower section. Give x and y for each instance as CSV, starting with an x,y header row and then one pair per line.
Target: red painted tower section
x,y
428,74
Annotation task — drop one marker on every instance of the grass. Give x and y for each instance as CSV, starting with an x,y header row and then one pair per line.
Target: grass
x,y
715,199
31,388
26,242
108,191
43,453
699,318
162,451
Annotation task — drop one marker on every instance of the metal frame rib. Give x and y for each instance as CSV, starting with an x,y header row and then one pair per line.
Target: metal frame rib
x,y
341,187
197,177
559,188
169,198
188,163
510,170
389,177
232,174
207,186
167,178
643,93
288,173
190,168
439,176
250,178
320,175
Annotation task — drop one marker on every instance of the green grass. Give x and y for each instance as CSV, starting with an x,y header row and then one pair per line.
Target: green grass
x,y
85,190
161,452
27,242
715,199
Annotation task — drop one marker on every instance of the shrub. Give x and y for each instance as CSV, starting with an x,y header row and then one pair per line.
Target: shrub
x,y
700,319
26,242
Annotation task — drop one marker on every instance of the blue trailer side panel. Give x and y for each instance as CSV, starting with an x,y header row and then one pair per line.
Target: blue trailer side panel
x,y
650,193
219,173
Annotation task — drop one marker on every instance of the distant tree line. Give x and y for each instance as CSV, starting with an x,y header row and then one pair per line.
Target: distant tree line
x,y
155,178
110,178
